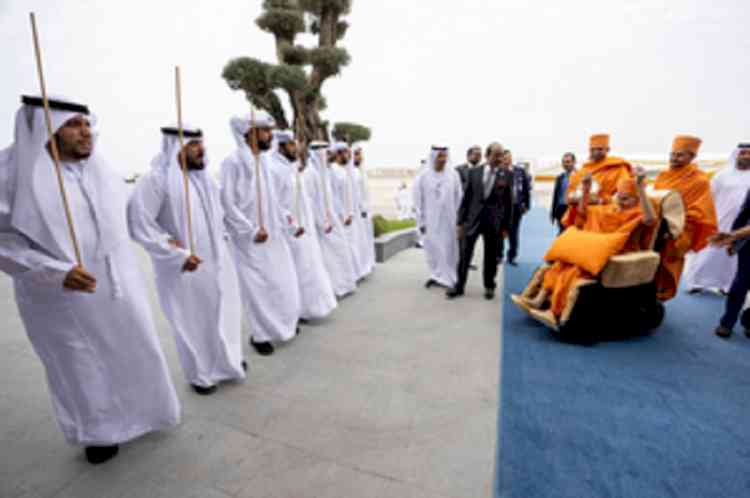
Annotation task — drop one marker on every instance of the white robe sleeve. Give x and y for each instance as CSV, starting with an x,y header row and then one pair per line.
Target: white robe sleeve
x,y
19,258
143,208
237,223
338,199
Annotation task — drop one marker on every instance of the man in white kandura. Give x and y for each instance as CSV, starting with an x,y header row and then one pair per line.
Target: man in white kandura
x,y
713,268
345,190
199,293
337,256
258,232
316,290
367,233
404,203
437,196
91,325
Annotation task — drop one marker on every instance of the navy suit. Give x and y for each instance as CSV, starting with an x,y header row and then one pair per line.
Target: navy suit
x,y
521,205
741,283
559,204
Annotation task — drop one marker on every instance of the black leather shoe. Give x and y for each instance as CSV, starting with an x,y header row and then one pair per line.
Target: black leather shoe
x,y
262,348
723,332
454,293
430,283
473,267
512,262
100,454
489,294
244,365
203,391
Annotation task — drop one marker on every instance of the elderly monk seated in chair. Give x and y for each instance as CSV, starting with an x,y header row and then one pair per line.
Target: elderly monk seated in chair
x,y
621,220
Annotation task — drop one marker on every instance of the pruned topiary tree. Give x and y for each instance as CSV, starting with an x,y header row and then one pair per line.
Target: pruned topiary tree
x,y
300,72
351,132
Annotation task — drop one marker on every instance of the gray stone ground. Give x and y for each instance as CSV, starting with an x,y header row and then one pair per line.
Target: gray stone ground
x,y
396,395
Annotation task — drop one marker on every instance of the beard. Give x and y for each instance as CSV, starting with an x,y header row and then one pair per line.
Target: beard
x,y
264,145
743,163
196,163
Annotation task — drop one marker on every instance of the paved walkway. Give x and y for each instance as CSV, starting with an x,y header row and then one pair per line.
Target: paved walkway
x,y
394,396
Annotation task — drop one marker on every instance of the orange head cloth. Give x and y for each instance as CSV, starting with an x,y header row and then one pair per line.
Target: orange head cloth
x,y
686,143
599,141
627,186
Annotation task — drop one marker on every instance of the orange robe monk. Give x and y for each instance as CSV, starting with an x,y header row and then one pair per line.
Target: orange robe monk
x,y
695,188
607,171
610,218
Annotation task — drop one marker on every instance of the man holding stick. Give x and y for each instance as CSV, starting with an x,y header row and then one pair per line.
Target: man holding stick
x,y
198,292
258,232
92,328
316,290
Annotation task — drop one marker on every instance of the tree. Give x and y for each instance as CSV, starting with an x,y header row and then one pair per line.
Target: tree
x,y
351,132
300,71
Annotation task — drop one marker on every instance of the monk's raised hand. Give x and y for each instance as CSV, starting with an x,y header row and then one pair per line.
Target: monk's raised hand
x,y
299,233
192,263
262,236
80,280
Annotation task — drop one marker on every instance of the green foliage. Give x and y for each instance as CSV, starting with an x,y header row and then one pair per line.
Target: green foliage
x,y
248,74
296,55
341,28
351,132
383,225
290,78
315,7
285,23
329,60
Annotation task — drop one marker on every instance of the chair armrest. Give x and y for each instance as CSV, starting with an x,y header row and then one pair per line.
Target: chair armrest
x,y
630,269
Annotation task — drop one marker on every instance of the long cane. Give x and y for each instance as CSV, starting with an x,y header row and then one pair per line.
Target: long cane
x,y
256,157
53,142
183,159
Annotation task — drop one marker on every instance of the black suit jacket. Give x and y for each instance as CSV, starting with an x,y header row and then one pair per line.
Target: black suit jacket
x,y
521,189
556,210
463,173
495,211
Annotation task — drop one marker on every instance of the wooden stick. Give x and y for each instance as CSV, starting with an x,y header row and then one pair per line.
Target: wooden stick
x,y
183,159
53,142
256,156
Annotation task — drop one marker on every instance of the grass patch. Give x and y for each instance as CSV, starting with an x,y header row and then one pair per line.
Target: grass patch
x,y
384,225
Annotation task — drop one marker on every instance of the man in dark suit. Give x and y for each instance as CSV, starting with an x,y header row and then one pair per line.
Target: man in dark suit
x,y
473,157
559,202
485,211
521,206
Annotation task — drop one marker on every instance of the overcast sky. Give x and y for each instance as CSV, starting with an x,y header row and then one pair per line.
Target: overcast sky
x,y
539,76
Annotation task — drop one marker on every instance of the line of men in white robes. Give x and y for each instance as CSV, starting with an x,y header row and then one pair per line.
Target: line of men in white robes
x,y
280,238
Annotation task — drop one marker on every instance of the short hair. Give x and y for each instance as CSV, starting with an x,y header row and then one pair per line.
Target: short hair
x,y
473,147
491,147
569,154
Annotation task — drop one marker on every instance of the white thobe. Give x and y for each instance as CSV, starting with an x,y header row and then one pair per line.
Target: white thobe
x,y
404,204
106,372
346,203
316,287
367,230
335,248
437,197
268,279
203,307
713,268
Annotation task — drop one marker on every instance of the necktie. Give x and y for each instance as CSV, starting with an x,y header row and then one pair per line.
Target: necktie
x,y
489,183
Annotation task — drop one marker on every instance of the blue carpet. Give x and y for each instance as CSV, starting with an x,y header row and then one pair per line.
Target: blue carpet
x,y
661,416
